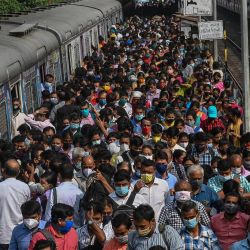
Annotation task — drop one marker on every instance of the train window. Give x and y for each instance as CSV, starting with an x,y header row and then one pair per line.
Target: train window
x,y
87,45
82,46
96,37
3,121
29,97
42,72
33,92
77,55
69,57
91,38
15,90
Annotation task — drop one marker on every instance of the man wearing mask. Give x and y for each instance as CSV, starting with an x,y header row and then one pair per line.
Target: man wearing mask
x,y
225,173
237,166
22,234
48,84
123,191
231,225
21,148
171,213
201,151
200,191
61,229
154,190
13,194
139,113
147,235
195,235
18,116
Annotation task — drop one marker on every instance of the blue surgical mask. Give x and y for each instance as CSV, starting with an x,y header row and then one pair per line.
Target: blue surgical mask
x,y
74,126
139,117
225,178
191,223
85,112
67,227
161,168
96,142
102,102
122,191
138,173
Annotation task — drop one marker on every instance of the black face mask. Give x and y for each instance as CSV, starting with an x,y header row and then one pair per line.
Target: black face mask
x,y
200,147
170,120
134,153
106,219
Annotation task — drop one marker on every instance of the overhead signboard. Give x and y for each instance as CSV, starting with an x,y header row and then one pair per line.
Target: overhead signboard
x,y
197,7
210,30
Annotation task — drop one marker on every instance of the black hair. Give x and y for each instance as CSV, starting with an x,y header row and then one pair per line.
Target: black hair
x,y
61,211
223,165
161,155
18,139
230,186
98,207
10,171
156,129
200,137
178,153
189,205
121,175
144,212
234,194
50,177
121,219
172,132
43,244
147,163
48,129
215,131
136,141
66,171
30,208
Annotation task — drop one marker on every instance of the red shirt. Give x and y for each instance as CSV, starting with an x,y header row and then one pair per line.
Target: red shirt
x,y
207,125
230,231
68,241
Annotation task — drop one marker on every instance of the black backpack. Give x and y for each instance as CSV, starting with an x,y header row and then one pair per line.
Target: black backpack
x,y
48,236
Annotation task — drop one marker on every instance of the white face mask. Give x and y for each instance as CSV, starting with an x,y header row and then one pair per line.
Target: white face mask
x,y
237,170
183,144
30,223
87,171
124,147
114,147
149,157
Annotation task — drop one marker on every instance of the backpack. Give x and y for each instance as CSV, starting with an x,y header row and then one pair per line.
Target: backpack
x,y
48,236
127,208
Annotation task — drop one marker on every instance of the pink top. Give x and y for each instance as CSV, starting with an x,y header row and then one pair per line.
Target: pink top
x,y
68,241
114,245
220,86
38,124
229,231
244,172
88,120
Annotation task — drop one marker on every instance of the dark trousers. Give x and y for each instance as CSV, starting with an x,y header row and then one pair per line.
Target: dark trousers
x,y
4,247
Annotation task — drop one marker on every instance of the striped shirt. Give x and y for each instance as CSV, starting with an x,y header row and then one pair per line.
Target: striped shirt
x,y
174,241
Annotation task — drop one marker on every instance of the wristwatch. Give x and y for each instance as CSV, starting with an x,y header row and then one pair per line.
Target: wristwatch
x,y
90,222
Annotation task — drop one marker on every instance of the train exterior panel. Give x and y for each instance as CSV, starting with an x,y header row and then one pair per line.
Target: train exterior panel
x,y
56,43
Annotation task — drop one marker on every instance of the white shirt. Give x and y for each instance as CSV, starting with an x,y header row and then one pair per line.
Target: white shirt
x,y
67,193
156,196
13,194
17,120
139,199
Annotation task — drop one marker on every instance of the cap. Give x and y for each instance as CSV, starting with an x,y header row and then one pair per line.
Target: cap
x,y
212,112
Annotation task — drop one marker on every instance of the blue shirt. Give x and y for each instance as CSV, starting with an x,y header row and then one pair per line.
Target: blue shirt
x,y
21,236
241,245
207,196
171,179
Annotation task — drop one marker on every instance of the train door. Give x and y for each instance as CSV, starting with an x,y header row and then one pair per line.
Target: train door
x,y
69,52
82,47
4,115
42,72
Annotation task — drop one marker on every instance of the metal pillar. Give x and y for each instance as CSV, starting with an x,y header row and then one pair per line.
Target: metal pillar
x,y
215,19
245,63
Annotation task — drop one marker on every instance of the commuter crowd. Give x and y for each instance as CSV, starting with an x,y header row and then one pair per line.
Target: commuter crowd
x,y
144,149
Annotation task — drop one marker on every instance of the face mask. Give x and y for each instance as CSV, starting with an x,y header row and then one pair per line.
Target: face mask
x,y
85,112
102,102
190,123
183,144
54,100
106,219
210,145
106,88
27,142
16,107
78,166
56,148
122,239
169,120
74,126
161,168
86,153
190,223
182,196
87,172
122,191
144,232
124,147
147,178
231,208
138,173
146,130
215,170
156,139
247,164
225,178
139,117
30,223
114,148
196,183
67,227
200,148
122,102
237,171
149,157
97,142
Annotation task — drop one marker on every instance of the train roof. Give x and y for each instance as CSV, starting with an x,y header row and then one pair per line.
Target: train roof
x,y
50,25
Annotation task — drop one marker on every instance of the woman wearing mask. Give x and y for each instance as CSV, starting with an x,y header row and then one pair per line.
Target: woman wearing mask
x,y
190,121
